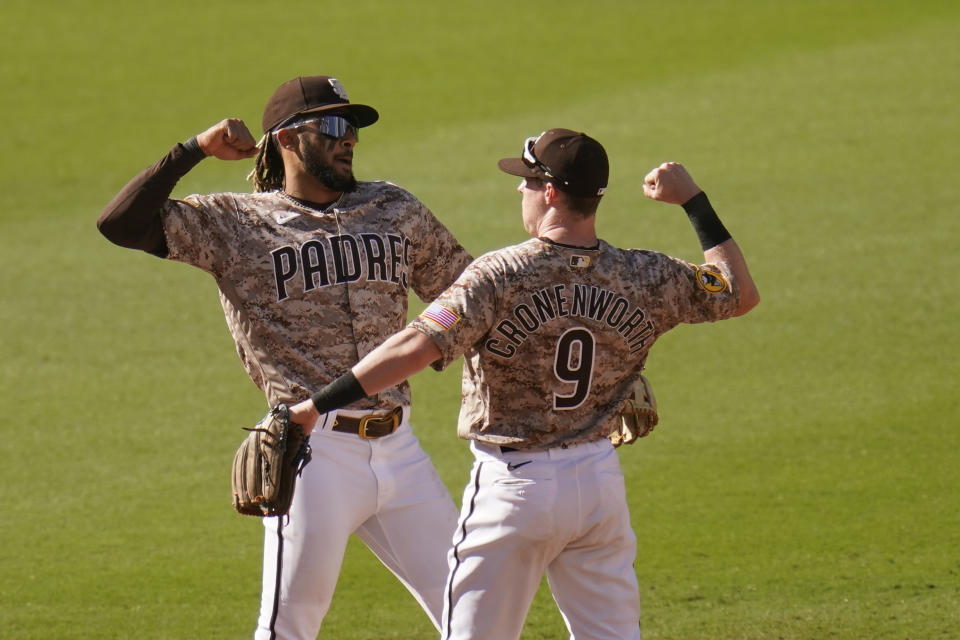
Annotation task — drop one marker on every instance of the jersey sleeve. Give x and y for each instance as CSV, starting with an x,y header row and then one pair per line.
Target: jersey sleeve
x,y
693,293
462,314
201,230
132,219
438,258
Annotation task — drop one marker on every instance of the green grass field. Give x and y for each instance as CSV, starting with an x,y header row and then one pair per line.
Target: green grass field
x,y
803,482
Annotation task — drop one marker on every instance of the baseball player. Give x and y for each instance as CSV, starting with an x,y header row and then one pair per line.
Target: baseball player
x,y
313,270
555,332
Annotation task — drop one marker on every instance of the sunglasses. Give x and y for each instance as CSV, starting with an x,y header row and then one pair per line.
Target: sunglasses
x,y
530,159
333,126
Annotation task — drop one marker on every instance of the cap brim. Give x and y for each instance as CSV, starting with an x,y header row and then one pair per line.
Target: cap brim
x,y
362,115
517,167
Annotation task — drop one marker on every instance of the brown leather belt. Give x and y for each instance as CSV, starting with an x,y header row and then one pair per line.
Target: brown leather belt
x,y
369,427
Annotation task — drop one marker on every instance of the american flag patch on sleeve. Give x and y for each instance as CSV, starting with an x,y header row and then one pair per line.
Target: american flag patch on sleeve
x,y
441,315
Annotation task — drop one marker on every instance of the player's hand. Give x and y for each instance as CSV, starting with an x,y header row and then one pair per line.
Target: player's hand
x,y
228,140
670,183
304,414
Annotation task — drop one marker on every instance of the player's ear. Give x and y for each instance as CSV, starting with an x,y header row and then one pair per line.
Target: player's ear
x,y
287,138
550,194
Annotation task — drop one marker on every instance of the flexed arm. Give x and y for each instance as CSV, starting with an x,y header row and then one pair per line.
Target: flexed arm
x,y
132,218
671,183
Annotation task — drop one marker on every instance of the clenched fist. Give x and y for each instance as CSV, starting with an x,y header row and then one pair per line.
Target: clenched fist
x,y
670,183
228,140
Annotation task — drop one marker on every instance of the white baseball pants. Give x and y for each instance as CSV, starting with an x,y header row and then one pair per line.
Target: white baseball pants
x,y
559,511
387,492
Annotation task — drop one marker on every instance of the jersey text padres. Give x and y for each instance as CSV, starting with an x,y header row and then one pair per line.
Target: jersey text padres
x,y
285,273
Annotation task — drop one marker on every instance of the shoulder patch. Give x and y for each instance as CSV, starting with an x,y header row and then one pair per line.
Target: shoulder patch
x,y
711,281
441,315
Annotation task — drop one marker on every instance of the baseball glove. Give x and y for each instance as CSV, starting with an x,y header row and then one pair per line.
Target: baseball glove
x,y
638,416
267,464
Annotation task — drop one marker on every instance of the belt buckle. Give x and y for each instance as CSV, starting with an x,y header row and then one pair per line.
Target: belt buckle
x,y
390,417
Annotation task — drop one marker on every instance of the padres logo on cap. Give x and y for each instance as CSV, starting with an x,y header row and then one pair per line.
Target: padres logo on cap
x,y
711,281
338,88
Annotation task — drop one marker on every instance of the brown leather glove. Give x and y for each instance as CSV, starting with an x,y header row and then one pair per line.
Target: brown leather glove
x,y
267,464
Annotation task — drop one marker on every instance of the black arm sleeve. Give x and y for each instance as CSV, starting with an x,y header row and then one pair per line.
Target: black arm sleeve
x,y
343,391
710,230
132,219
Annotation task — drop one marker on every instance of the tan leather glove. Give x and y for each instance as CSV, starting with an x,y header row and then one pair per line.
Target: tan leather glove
x,y
638,416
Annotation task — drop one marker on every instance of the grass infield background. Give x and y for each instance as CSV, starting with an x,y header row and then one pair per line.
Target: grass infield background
x,y
803,481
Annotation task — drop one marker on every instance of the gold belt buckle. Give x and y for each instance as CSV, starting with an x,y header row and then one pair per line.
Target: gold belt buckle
x,y
391,417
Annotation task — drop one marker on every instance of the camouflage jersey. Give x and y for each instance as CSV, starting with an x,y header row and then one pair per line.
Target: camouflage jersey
x,y
307,293
554,337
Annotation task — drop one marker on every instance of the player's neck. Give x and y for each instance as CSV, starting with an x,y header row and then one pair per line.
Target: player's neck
x,y
568,230
305,186
310,189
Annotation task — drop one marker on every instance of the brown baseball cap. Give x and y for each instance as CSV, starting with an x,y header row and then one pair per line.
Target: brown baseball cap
x,y
314,94
574,162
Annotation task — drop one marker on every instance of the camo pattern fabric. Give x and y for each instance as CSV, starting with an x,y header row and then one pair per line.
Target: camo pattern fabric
x,y
555,337
307,292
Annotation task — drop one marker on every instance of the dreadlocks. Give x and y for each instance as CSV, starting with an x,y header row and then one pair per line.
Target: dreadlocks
x,y
267,174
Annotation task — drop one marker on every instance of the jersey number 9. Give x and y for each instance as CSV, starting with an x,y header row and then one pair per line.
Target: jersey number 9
x,y
574,365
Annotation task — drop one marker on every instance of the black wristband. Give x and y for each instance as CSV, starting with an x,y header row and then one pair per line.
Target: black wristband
x,y
193,148
710,230
343,391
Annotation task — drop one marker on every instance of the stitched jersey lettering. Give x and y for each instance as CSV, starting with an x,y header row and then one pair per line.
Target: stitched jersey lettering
x,y
588,302
340,259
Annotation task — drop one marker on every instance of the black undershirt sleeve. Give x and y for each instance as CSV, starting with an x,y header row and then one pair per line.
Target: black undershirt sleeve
x,y
132,218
